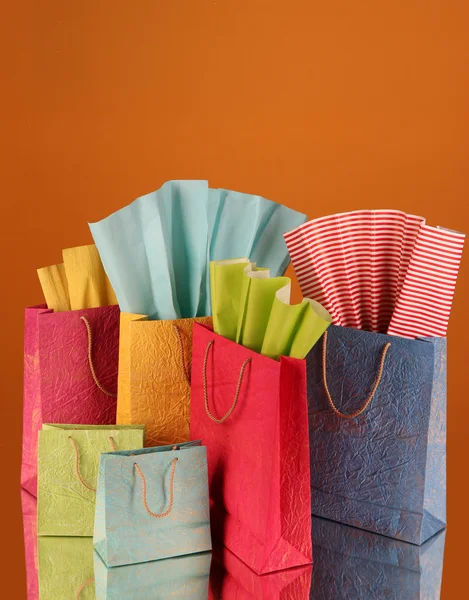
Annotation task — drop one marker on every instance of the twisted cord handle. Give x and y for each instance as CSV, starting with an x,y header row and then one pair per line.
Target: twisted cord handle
x,y
171,491
238,387
77,461
82,587
90,359
373,390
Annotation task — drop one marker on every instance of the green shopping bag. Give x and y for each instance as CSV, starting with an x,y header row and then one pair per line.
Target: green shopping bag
x,y
66,569
68,460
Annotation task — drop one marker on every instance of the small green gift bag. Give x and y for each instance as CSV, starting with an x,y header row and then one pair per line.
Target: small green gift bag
x,y
66,568
68,460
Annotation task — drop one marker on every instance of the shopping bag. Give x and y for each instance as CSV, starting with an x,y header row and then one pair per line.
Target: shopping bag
x,y
231,578
154,376
251,413
66,568
70,374
29,510
68,459
377,421
152,504
352,564
176,578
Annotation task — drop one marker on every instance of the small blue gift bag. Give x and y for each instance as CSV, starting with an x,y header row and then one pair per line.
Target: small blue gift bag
x,y
176,578
152,504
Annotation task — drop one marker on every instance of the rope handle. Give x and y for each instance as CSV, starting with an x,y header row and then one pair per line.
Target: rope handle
x,y
373,390
171,491
82,587
77,461
90,359
187,376
238,387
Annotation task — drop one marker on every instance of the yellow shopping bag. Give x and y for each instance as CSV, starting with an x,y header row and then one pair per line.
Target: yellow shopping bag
x,y
154,376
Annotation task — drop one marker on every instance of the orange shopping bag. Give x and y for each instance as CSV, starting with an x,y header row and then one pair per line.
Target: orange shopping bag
x,y
154,376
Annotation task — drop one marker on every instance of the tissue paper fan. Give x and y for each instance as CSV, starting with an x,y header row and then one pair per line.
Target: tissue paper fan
x,y
247,225
156,251
424,303
353,263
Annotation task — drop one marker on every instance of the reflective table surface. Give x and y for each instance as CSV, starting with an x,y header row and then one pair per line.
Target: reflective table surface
x,y
348,564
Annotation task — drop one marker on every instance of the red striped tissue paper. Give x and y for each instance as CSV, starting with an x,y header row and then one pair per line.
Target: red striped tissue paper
x,y
424,304
354,263
357,266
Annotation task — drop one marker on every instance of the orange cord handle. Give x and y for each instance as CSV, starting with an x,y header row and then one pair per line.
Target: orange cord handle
x,y
90,359
171,491
77,461
372,393
82,587
238,387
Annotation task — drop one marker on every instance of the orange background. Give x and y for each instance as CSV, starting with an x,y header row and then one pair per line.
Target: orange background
x,y
323,106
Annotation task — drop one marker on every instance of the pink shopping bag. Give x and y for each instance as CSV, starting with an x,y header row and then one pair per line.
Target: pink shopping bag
x,y
70,374
250,411
29,509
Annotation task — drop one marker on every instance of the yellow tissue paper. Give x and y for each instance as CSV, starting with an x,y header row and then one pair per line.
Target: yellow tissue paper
x,y
88,284
55,287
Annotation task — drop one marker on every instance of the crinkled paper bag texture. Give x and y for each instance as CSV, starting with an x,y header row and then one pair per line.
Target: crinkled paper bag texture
x,y
58,382
231,578
67,468
154,374
374,566
258,457
88,284
176,578
125,533
66,568
156,251
384,470
32,414
55,287
29,510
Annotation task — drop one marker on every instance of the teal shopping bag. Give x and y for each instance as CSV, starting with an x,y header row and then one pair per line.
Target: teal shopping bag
x,y
176,578
152,504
